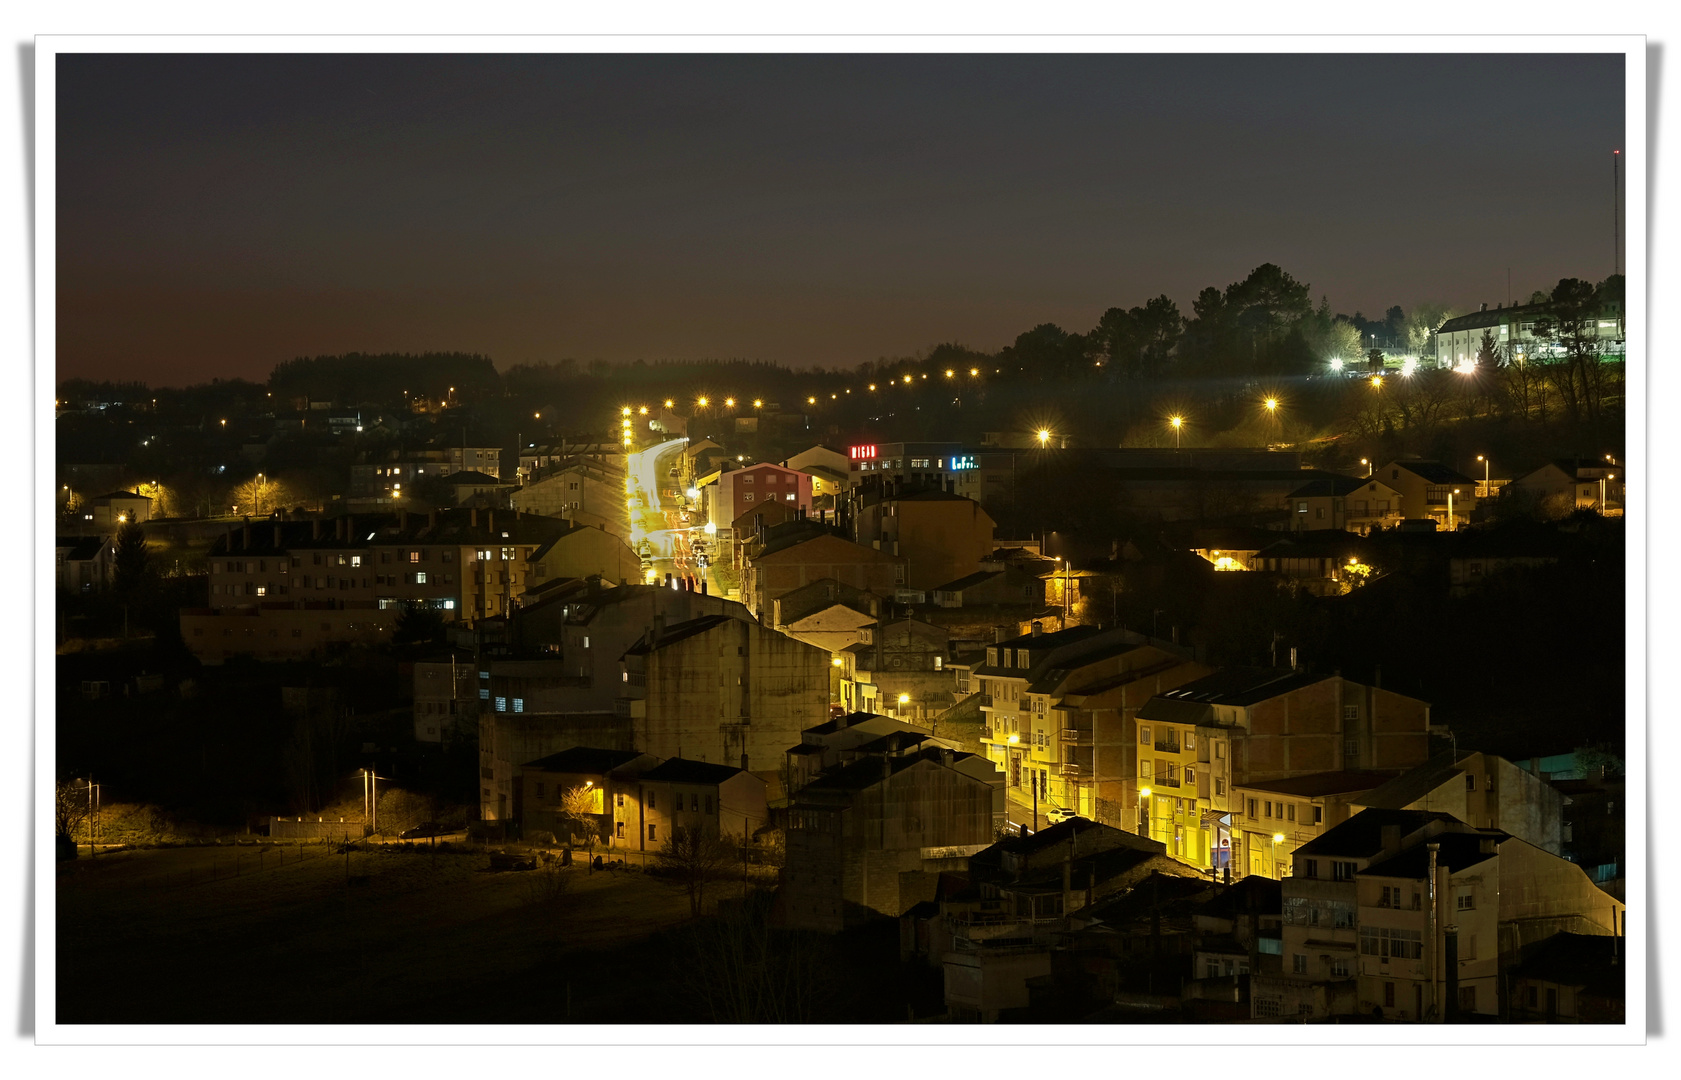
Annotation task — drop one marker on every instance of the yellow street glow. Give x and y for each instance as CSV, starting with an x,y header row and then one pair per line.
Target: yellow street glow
x,y
835,661
701,403
1177,421
729,402
974,371
643,410
950,373
669,403
758,404
1044,436
1377,382
904,699
872,386
1272,404
1278,838
811,401
625,411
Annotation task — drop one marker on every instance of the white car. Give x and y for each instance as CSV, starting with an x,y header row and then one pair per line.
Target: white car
x,y
1056,815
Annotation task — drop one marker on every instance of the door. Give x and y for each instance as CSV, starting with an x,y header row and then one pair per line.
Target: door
x,y
1552,1003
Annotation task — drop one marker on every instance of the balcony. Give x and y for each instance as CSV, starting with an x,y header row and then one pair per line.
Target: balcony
x,y
1166,747
1073,770
1075,736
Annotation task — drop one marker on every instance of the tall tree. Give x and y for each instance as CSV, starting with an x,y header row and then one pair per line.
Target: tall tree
x,y
132,562
691,859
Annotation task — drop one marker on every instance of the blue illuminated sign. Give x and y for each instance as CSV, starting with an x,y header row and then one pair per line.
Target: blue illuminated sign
x,y
966,461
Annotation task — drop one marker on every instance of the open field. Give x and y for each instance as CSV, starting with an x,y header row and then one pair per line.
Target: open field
x,y
228,935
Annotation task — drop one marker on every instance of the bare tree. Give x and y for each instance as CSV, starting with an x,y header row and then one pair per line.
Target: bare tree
x,y
70,809
260,495
577,806
691,859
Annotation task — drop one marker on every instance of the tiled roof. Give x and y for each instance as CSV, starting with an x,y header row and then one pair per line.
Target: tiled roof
x,y
1361,836
684,771
1231,686
1315,785
1432,471
967,582
584,759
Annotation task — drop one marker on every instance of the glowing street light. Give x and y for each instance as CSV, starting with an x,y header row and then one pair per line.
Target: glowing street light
x,y
1178,423
1484,492
758,403
907,380
643,410
625,411
1044,437
811,401
1336,364
669,403
1377,382
835,660
950,373
1369,467
701,402
729,403
974,371
872,387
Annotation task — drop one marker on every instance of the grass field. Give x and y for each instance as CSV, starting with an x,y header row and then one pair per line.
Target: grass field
x,y
228,935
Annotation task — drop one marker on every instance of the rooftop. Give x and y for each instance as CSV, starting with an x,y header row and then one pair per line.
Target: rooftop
x,y
685,771
1361,836
1316,785
584,759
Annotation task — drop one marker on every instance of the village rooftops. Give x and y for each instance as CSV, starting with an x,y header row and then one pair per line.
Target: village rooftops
x,y
588,760
1433,472
1332,485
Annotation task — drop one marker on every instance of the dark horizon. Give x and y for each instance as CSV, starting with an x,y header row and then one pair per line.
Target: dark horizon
x,y
220,214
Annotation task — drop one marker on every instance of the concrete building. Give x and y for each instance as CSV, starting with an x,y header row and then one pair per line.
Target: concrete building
x,y
828,614
464,486
1572,979
721,687
857,832
446,696
994,585
610,781
300,630
802,552
1243,726
1479,789
1512,329
923,463
1272,818
718,801
1363,937
943,537
588,490
897,667
581,552
1058,710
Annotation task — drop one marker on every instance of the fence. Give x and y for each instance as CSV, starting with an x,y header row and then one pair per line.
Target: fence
x,y
299,829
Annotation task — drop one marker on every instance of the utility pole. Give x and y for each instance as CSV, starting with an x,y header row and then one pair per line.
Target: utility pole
x,y
1616,212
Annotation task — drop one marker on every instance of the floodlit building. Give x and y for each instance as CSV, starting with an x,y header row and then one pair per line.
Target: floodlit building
x,y
1426,489
1344,502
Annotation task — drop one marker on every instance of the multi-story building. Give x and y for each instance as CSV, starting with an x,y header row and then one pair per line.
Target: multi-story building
x,y
396,473
1429,490
1241,726
897,667
801,552
1272,818
609,780
856,831
1057,712
1512,329
589,490
828,614
83,564
740,490
721,686
924,463
720,802
942,536
1566,485
107,513
1375,908
1344,502
446,696
1479,789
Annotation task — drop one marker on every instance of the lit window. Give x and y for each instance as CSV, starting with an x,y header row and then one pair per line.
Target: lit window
x,y
790,496
414,556
501,704
356,560
262,591
420,577
519,704
484,694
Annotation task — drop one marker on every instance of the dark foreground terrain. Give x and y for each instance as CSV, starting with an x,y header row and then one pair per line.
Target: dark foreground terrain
x,y
186,936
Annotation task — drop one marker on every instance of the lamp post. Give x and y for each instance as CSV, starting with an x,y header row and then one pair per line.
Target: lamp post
x,y
1483,494
1451,493
1144,814
1177,422
1369,467
1602,480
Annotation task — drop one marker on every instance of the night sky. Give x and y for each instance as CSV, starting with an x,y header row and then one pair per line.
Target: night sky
x,y
217,215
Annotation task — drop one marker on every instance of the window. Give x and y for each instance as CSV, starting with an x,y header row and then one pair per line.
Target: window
x,y
1389,897
1388,991
748,497
1190,740
651,833
1190,775
420,577
1389,942
1219,750
789,496
1318,814
650,800
1219,785
1351,748
619,830
1143,735
1351,712
519,704
356,560
501,704
1464,899
1470,782
1144,770
484,693
1339,969
1310,868
1252,808
1298,963
414,556
1301,508
1342,871
1488,782
1290,812
1268,808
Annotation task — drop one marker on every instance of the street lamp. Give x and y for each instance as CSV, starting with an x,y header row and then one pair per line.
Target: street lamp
x,y
1369,467
758,403
1451,493
1177,422
729,403
1484,492
701,402
1607,476
974,371
1377,382
1044,437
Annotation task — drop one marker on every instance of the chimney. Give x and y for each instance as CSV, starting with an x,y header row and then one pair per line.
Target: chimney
x,y
946,758
1038,628
1485,307
1391,839
1000,633
703,586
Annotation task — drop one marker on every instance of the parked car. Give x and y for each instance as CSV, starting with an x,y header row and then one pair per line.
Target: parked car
x,y
1056,815
423,830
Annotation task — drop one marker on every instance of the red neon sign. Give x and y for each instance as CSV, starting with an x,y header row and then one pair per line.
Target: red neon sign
x,y
862,453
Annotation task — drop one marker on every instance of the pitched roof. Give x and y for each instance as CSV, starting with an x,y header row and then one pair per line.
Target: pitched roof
x,y
1414,784
81,548
678,632
1334,485
1228,686
1432,471
473,476
584,759
968,581
1315,785
684,771
120,495
1585,960
1455,851
1361,836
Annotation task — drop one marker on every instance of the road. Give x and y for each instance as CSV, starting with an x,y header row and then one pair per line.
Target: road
x,y
657,516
